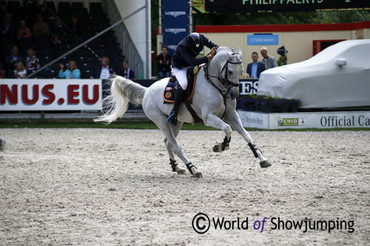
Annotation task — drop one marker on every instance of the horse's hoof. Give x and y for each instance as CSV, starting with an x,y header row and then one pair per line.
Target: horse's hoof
x,y
265,164
217,148
180,170
198,175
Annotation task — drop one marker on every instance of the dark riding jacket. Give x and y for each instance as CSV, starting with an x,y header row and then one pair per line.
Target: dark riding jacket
x,y
185,54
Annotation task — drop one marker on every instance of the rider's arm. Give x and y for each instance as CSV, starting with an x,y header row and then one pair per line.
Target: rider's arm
x,y
207,42
188,57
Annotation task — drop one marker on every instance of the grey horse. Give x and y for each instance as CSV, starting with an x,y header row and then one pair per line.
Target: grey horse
x,y
214,101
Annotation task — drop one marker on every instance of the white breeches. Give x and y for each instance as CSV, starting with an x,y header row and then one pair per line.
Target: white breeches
x,y
181,76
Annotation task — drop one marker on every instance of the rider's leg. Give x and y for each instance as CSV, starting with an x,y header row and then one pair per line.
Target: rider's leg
x,y
180,95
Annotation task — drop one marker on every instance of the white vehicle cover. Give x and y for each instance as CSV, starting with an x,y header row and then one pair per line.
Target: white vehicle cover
x,y
338,76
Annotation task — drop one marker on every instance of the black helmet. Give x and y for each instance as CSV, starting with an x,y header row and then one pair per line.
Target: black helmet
x,y
196,42
282,51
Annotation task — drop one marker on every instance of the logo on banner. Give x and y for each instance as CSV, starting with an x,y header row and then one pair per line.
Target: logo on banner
x,y
292,122
266,39
175,14
175,30
172,47
50,94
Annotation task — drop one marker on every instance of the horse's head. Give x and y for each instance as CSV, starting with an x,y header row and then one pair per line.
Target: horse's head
x,y
228,65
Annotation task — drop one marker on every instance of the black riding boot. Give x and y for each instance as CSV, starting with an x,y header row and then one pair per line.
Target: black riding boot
x,y
180,95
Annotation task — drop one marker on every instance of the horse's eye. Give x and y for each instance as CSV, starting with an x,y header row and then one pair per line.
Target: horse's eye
x,y
230,72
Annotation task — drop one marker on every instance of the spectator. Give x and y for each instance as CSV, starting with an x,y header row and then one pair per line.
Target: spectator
x,y
75,26
3,11
20,71
269,61
127,72
24,37
23,31
71,73
41,28
33,9
255,68
32,62
283,59
245,76
164,63
102,72
7,34
41,33
7,27
58,32
12,59
58,35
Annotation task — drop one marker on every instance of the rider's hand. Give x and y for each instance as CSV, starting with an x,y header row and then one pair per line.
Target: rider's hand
x,y
214,51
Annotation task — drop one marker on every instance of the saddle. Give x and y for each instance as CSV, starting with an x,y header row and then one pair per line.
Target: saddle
x,y
170,89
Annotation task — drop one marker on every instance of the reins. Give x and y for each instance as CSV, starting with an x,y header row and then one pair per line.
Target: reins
x,y
227,84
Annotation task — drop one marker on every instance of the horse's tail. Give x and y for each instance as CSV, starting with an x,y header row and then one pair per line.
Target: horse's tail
x,y
123,91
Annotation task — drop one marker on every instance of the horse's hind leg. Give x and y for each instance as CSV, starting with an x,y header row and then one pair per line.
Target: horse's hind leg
x,y
175,166
234,120
170,138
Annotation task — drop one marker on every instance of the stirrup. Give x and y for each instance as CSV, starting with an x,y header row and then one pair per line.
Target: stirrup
x,y
172,118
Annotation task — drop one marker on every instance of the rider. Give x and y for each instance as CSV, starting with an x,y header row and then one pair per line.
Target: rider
x,y
185,56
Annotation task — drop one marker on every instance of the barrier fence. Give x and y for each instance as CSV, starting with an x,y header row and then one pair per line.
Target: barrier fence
x,y
69,95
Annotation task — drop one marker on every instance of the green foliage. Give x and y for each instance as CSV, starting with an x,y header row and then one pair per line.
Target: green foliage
x,y
268,104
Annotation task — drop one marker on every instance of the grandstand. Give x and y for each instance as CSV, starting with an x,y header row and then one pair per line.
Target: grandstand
x,y
88,18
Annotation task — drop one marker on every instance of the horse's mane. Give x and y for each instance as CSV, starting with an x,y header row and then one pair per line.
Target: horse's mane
x,y
226,49
229,51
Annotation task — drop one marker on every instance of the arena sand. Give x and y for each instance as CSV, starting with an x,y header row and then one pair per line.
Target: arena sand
x,y
115,187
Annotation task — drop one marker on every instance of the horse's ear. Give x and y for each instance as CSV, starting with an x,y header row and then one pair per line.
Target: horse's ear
x,y
238,50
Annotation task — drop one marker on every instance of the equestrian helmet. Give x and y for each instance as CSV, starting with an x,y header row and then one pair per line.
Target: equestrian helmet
x,y
195,42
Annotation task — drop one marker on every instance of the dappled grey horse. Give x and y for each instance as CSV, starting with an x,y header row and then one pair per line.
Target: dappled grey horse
x,y
214,101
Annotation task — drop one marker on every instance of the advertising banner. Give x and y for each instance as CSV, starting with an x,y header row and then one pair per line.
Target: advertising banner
x,y
175,23
248,87
249,6
338,119
50,94
263,39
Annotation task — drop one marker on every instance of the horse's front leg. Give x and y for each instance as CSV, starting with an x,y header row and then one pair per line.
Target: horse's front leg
x,y
233,118
215,122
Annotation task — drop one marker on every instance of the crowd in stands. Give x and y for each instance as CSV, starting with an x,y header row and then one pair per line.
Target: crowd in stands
x,y
33,34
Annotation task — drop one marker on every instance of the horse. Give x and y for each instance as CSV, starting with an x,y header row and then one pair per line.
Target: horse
x,y
214,101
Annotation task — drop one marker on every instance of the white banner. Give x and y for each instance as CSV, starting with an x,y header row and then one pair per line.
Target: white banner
x,y
339,119
248,87
50,94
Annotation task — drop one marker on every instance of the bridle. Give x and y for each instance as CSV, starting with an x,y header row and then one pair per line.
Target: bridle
x,y
227,84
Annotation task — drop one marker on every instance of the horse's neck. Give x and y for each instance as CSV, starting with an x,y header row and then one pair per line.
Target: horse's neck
x,y
202,81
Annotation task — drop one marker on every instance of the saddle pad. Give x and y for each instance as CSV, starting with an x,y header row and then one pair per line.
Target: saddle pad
x,y
170,89
169,92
